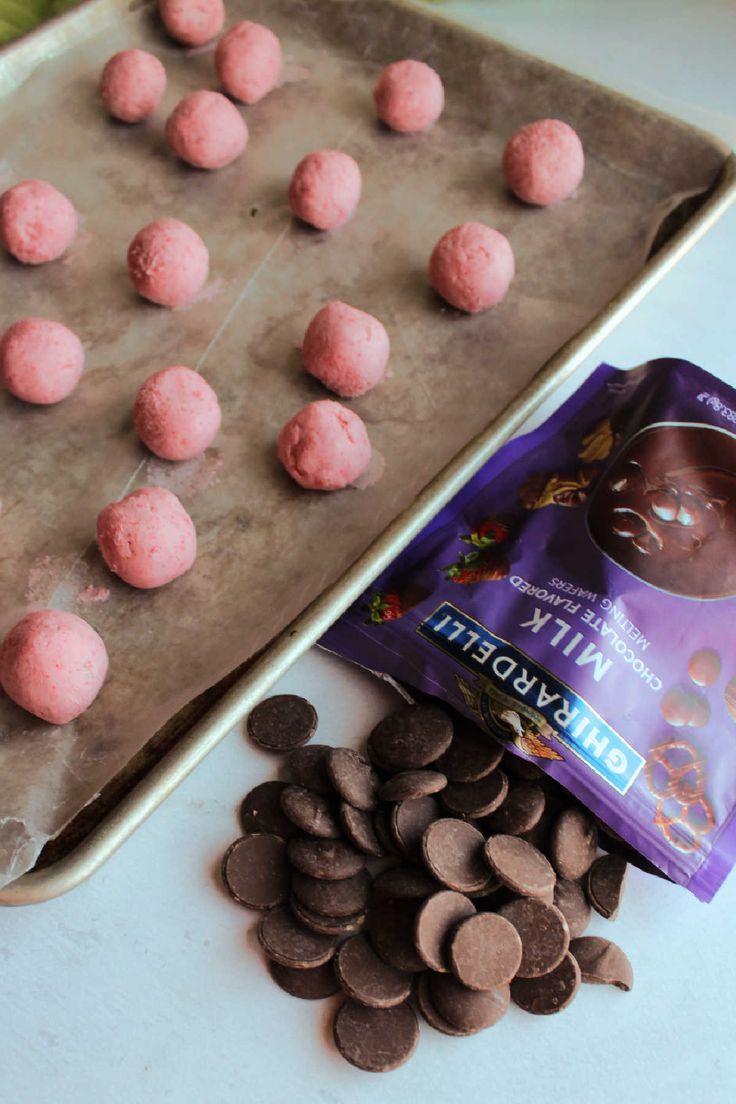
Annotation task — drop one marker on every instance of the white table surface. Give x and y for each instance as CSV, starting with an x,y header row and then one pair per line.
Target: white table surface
x,y
145,984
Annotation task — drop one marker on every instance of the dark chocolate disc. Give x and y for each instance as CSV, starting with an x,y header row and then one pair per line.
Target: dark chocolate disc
x,y
313,984
360,828
467,1009
430,1013
544,934
282,722
520,866
476,799
520,812
391,926
569,897
573,843
602,962
485,951
453,853
409,820
324,858
311,812
307,766
411,737
367,978
409,785
605,885
332,898
550,993
287,941
326,925
376,1039
255,871
436,921
353,778
471,756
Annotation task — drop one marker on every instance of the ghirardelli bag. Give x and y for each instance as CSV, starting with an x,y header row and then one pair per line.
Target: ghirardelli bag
x,y
577,599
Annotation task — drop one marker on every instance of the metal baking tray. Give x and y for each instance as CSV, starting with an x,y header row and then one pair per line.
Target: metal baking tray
x,y
459,387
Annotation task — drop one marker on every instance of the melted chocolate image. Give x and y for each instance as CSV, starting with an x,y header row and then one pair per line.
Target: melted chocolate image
x,y
666,510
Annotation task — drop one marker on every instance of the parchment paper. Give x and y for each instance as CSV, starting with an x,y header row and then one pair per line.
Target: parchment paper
x,y
266,548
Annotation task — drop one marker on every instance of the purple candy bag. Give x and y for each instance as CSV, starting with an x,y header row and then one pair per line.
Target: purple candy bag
x,y
577,599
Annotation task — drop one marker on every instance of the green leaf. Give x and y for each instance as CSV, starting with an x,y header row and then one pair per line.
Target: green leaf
x,y
59,6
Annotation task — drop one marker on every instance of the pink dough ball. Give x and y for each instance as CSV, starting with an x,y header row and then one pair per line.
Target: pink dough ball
x,y
192,22
325,446
325,189
471,267
409,96
543,162
168,262
206,130
147,538
176,414
37,222
53,664
40,360
346,349
132,84
248,61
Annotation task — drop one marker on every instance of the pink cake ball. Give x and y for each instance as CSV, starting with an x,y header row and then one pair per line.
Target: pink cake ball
x,y
40,360
248,61
206,130
176,414
53,664
325,189
147,538
543,162
132,84
192,22
346,349
409,96
168,262
37,222
325,446
471,267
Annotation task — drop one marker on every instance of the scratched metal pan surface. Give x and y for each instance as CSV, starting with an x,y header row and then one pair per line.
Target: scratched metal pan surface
x,y
271,555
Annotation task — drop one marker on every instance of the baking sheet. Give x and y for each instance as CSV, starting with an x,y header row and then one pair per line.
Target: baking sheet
x,y
267,548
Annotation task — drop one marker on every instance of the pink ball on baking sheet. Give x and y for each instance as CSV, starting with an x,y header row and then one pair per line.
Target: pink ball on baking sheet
x,y
346,349
471,267
52,664
409,96
325,446
325,189
168,262
40,360
206,130
37,222
248,61
176,414
132,84
192,22
544,162
147,538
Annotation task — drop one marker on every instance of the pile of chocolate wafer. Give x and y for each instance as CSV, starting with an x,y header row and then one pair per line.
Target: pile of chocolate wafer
x,y
438,872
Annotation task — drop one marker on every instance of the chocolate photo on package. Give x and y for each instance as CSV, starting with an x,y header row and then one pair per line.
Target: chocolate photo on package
x,y
666,509
577,601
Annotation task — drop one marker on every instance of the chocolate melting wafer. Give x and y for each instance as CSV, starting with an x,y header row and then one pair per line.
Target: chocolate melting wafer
x,y
282,722
602,962
373,888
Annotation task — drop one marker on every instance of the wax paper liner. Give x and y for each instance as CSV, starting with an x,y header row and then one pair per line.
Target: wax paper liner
x,y
267,548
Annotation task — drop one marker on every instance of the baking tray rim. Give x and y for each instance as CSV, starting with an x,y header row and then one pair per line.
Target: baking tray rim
x,y
170,771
